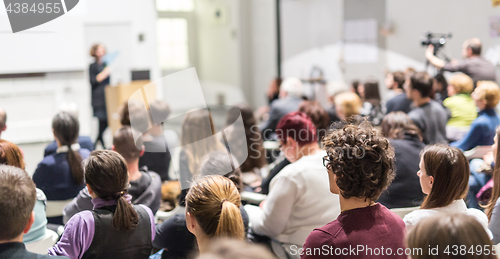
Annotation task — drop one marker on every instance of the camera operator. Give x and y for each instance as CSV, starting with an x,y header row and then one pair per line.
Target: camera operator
x,y
473,65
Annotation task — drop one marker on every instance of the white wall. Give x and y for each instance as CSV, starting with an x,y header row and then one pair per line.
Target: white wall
x,y
32,102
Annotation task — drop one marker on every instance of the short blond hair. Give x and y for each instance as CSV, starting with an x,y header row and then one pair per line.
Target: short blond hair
x,y
349,102
488,91
462,84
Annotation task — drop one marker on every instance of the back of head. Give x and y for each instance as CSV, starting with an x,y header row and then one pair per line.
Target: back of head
x,y
229,249
362,160
214,202
138,116
197,137
107,175
422,82
372,93
298,126
450,169
349,103
462,84
318,115
399,78
3,119
445,230
219,163
292,86
18,197
396,125
66,128
159,110
488,91
475,46
10,154
123,142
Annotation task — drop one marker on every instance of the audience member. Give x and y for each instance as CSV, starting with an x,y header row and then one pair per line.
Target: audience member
x,y
10,154
230,249
473,65
444,174
291,92
357,88
429,116
3,120
113,228
400,102
99,78
172,234
440,88
318,116
493,207
406,139
248,150
60,175
197,141
482,129
480,183
157,155
347,104
372,106
84,141
439,235
333,88
461,106
299,199
212,210
144,188
360,167
16,211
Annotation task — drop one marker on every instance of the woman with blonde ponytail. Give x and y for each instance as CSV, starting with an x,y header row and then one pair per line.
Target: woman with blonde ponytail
x,y
114,228
213,210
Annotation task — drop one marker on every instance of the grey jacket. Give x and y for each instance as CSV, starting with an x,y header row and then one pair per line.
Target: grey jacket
x,y
151,197
279,108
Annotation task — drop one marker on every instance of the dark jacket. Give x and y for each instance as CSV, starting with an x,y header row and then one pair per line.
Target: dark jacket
x,y
279,108
16,250
98,97
405,190
85,142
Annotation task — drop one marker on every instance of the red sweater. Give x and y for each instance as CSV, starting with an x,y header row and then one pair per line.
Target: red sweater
x,y
371,232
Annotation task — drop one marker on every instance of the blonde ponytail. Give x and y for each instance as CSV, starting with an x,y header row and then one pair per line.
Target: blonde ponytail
x,y
214,201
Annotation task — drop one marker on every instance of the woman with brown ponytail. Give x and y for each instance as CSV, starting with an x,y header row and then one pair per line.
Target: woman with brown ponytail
x,y
213,210
114,228
60,175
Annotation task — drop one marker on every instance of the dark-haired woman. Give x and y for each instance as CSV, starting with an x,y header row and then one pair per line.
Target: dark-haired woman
x,y
444,176
99,78
60,175
372,106
359,164
406,139
114,228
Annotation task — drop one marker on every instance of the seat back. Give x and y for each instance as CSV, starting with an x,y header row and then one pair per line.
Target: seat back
x,y
41,246
403,211
55,208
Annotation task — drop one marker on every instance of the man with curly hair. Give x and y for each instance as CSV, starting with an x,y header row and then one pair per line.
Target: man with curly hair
x,y
360,165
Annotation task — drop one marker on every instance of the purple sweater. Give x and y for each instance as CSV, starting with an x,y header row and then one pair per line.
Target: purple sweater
x,y
79,231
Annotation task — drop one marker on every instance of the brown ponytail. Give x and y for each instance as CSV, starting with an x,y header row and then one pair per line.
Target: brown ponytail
x,y
214,201
106,173
66,129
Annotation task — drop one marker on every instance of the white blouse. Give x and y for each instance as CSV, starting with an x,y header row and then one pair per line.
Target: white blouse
x,y
414,217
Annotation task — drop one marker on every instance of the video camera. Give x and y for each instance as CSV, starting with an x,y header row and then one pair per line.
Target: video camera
x,y
436,39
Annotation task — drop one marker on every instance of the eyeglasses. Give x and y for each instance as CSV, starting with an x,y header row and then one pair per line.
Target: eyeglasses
x,y
326,162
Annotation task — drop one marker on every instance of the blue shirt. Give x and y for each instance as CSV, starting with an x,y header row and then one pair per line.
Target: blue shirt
x,y
482,131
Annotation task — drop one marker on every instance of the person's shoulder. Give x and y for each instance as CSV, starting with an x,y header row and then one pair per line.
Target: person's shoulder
x,y
479,215
413,217
390,216
323,235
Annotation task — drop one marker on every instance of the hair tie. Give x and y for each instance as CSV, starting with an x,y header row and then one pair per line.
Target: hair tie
x,y
118,195
222,203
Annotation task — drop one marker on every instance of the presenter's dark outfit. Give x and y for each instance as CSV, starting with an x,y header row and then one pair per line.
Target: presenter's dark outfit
x,y
98,99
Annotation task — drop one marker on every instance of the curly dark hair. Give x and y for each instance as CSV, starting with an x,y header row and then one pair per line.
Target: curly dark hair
x,y
361,158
